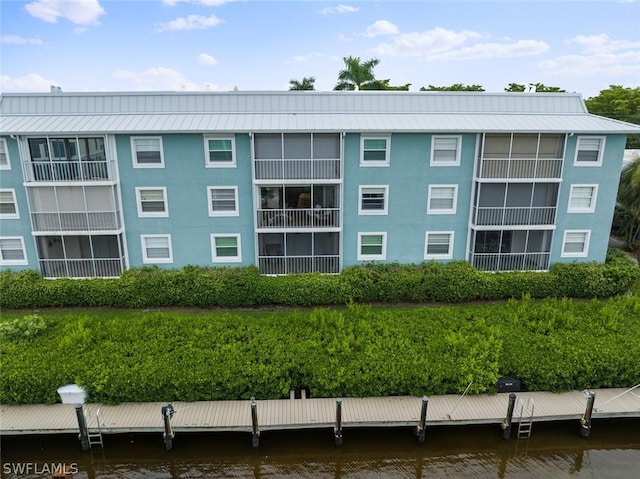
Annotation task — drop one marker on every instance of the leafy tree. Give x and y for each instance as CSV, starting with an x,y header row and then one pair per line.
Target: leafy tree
x,y
618,103
539,88
454,87
357,75
307,83
384,85
627,213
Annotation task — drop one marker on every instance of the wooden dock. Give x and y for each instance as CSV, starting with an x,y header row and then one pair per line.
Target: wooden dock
x,y
315,413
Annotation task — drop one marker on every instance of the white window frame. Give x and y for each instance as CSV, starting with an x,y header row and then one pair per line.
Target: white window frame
x,y
448,255
432,157
598,162
385,208
372,257
11,216
443,211
152,214
226,259
146,259
594,197
212,212
387,155
219,164
12,262
134,156
581,254
4,149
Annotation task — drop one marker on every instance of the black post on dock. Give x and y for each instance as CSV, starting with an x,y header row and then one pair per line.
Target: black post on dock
x,y
506,425
337,430
167,413
422,425
82,426
585,422
255,431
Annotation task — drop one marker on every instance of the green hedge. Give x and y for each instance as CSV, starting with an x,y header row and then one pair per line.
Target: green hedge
x,y
385,283
355,351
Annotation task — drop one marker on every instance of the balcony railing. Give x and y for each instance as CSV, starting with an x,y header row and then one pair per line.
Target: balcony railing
x,y
520,168
510,261
299,218
80,221
82,268
67,171
297,169
543,215
299,264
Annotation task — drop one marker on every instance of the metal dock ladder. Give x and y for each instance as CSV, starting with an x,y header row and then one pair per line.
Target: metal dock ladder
x,y
526,419
95,434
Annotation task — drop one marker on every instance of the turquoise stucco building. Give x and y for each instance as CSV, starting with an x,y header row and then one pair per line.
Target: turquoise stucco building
x,y
94,183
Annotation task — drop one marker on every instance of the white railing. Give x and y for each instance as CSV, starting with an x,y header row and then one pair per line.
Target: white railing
x,y
299,218
297,169
67,171
520,168
299,264
81,268
542,215
510,261
80,221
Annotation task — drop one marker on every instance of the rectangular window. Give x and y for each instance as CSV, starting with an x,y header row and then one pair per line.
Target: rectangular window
x,y
220,151
375,151
374,200
589,151
8,204
156,249
438,245
152,202
226,248
147,152
223,201
582,198
442,200
445,150
575,243
5,164
372,246
12,251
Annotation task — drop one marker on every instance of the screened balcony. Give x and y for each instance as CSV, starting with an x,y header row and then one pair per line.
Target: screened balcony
x,y
295,253
297,156
511,250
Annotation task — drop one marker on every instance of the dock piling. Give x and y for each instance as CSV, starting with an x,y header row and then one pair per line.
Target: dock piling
x,y
422,425
506,425
337,430
82,426
255,431
167,413
585,422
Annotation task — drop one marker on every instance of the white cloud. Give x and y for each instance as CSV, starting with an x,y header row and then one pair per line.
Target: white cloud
x,y
80,12
521,48
18,40
158,78
207,3
192,22
381,27
206,59
600,55
30,82
338,9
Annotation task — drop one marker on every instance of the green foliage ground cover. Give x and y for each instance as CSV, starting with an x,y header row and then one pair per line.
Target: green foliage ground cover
x,y
355,351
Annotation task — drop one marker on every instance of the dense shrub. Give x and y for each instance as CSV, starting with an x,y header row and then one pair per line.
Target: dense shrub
x,y
355,351
195,286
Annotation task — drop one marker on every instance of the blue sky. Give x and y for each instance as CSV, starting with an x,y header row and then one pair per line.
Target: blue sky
x,y
217,45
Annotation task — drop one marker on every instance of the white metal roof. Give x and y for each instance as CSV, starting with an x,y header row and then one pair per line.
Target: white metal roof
x,y
379,111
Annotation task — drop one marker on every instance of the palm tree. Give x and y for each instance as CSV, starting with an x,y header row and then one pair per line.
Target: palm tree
x,y
307,83
627,214
357,75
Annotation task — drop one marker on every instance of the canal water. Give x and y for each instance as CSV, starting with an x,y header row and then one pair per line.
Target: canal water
x,y
555,450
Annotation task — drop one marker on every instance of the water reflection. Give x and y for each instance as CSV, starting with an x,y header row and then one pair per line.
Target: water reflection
x,y
554,450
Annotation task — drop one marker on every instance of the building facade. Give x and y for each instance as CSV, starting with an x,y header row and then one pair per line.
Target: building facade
x,y
95,183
